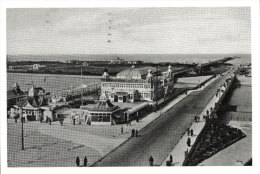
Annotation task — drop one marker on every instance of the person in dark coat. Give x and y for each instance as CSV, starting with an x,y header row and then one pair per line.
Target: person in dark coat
x,y
171,159
191,132
188,132
188,142
151,161
61,121
74,120
77,161
136,133
137,118
49,120
122,130
85,161
133,133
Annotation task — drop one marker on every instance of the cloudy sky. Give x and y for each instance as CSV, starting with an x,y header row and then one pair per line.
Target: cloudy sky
x,y
133,30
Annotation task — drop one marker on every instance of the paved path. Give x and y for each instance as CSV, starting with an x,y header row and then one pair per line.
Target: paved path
x,y
160,137
102,145
181,147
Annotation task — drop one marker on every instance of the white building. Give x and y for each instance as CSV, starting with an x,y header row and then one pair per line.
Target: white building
x,y
38,66
133,84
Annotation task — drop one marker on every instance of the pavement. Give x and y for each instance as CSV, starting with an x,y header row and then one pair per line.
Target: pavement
x,y
158,138
181,147
102,145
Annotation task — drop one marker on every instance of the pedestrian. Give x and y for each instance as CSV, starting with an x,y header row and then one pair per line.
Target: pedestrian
x,y
171,159
74,120
136,133
122,130
151,161
195,118
133,133
85,161
77,161
186,153
191,132
137,119
129,122
188,142
60,122
50,121
188,132
41,119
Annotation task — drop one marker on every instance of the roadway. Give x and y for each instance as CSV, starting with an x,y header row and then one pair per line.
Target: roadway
x,y
159,138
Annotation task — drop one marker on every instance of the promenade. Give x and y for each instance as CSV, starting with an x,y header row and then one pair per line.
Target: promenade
x,y
161,136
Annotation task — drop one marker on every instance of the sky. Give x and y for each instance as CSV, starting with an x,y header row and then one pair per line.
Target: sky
x,y
179,30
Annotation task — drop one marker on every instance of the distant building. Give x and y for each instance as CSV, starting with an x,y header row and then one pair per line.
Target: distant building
x,y
133,84
27,67
135,62
74,62
38,66
15,96
30,108
117,61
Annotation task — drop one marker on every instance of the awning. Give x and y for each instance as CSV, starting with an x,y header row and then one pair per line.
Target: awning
x,y
135,109
121,93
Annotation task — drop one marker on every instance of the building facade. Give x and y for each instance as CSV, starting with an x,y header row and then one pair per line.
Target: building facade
x,y
133,84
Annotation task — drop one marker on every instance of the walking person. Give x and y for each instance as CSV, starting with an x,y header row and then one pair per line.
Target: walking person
x,y
133,133
188,142
188,132
74,120
151,161
136,133
77,161
191,132
61,122
171,159
122,130
137,118
49,120
85,161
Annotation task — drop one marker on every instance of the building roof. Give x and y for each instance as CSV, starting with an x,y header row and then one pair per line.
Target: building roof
x,y
15,92
106,106
134,73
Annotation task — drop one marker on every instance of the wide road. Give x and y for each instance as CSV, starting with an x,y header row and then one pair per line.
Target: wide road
x,y
159,138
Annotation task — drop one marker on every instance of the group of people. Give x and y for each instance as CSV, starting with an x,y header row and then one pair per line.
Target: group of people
x,y
48,120
190,133
197,119
85,161
134,133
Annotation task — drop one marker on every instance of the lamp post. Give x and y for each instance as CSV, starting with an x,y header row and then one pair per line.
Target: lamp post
x,y
22,119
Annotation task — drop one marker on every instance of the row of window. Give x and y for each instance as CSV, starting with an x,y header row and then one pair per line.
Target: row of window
x,y
100,118
126,85
101,114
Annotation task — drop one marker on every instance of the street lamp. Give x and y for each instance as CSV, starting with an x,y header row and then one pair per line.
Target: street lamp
x,y
22,120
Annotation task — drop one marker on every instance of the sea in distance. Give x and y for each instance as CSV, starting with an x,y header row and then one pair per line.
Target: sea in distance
x,y
56,83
